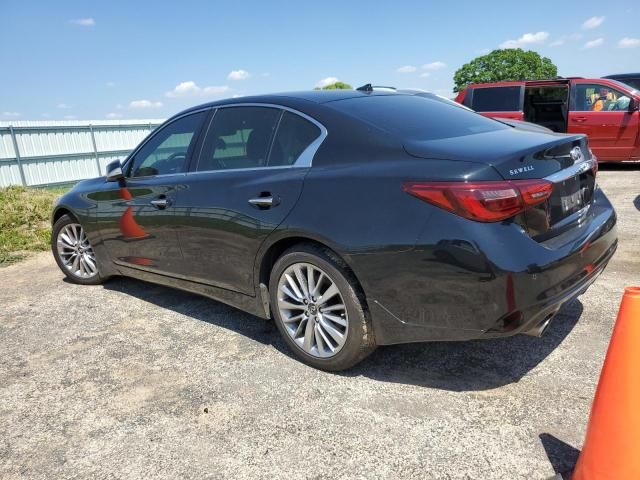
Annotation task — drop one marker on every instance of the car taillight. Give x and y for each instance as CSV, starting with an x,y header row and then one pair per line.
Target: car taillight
x,y
482,201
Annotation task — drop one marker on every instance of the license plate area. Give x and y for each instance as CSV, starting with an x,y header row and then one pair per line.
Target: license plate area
x,y
570,196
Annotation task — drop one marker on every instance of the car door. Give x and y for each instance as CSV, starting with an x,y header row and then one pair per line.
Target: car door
x,y
248,177
606,115
137,217
498,101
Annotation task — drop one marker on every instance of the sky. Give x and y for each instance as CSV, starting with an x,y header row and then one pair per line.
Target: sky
x,y
140,59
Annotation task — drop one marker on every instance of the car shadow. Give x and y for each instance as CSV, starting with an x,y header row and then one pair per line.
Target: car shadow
x,y
454,366
200,308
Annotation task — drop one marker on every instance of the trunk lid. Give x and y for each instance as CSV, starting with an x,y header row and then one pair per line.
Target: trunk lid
x,y
514,153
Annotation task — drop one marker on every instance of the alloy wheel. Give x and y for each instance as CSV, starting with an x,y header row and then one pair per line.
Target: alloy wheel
x,y
75,252
312,310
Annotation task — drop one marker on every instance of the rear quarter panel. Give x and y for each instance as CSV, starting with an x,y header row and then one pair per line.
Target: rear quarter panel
x,y
361,211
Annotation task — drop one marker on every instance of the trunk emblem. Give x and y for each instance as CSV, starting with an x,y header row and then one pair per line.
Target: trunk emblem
x,y
526,168
576,155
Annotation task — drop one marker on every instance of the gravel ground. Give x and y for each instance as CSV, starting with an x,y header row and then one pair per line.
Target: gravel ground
x,y
132,380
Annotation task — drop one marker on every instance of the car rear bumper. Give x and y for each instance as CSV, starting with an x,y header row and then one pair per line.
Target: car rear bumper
x,y
453,286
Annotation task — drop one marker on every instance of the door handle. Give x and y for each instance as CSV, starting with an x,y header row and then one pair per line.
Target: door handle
x,y
580,119
160,203
265,200
262,202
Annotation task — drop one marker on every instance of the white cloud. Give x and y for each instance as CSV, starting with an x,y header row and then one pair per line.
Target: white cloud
x,y
69,117
10,114
526,39
83,22
594,43
326,81
145,104
184,89
406,69
628,42
425,74
238,75
113,115
593,22
434,66
191,89
63,106
110,84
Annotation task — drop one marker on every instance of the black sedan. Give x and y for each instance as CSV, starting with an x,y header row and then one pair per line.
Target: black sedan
x,y
352,218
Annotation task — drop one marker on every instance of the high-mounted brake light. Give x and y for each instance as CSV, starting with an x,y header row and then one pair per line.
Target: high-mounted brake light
x,y
482,201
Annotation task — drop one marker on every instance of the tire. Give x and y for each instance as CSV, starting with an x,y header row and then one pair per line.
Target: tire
x,y
68,243
320,344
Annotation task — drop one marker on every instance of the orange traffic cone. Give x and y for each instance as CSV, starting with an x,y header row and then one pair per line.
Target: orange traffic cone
x,y
612,444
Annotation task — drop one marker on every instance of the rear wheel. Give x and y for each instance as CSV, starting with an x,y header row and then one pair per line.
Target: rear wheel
x,y
73,252
319,310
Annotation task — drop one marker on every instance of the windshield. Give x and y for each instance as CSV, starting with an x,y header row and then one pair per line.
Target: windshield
x,y
412,117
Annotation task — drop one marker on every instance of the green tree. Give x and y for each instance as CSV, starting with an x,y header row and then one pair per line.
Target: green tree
x,y
506,64
336,86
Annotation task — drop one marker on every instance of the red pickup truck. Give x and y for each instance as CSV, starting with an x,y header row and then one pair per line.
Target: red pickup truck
x,y
604,109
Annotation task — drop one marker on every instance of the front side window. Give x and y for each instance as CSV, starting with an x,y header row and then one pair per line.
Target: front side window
x,y
239,137
496,99
166,152
593,97
294,135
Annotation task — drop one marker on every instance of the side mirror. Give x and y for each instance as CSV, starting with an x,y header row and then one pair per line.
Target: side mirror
x,y
114,171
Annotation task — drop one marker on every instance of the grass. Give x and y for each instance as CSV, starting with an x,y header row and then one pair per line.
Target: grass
x,y
25,221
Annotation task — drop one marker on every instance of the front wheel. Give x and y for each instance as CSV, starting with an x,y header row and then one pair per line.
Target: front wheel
x,y
319,310
73,252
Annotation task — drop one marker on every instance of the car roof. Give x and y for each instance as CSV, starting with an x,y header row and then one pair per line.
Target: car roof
x,y
292,99
624,75
550,81
507,83
315,96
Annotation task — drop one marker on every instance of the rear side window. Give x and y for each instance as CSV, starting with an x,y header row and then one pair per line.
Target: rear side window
x,y
294,135
238,137
496,99
412,117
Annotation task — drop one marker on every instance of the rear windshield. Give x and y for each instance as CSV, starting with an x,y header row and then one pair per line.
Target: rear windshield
x,y
416,118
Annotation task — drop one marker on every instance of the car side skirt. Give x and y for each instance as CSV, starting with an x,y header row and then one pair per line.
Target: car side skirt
x,y
249,304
